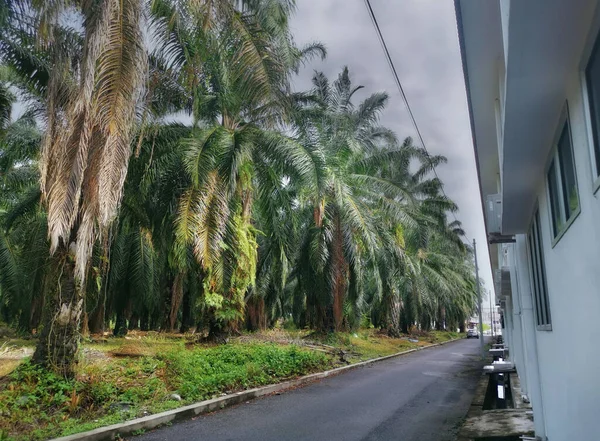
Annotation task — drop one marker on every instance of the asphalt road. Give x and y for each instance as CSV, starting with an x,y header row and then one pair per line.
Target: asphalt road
x,y
422,396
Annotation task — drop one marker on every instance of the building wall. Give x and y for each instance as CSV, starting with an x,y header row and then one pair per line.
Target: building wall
x,y
568,359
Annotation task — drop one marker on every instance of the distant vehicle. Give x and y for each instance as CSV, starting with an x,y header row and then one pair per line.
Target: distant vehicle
x,y
472,333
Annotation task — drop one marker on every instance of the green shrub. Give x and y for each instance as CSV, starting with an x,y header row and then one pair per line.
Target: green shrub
x,y
36,404
202,373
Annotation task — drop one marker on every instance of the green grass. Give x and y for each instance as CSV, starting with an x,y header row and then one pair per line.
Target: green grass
x,y
367,344
442,336
370,343
36,405
18,342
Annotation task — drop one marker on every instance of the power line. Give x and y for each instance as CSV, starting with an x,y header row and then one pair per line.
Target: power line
x,y
402,94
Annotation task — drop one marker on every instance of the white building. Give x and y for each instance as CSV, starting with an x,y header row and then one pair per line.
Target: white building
x,y
532,71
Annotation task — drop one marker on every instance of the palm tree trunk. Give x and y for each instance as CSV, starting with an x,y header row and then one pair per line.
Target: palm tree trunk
x,y
409,313
176,297
440,322
217,332
57,347
37,308
393,307
96,319
85,327
186,312
120,324
123,306
425,321
339,276
327,319
255,313
145,319
134,322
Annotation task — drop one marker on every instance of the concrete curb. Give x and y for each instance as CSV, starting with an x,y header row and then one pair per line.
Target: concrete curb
x,y
186,412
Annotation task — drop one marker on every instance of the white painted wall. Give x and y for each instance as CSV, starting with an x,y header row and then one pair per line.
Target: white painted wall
x,y
528,369
569,362
560,368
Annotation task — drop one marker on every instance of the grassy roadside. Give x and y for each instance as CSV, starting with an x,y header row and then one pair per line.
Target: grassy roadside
x,y
367,344
124,378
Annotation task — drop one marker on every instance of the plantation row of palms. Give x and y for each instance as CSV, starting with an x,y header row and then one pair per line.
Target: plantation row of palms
x,y
165,176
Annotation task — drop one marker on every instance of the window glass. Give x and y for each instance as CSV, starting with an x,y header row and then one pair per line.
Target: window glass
x,y
538,276
592,73
554,200
567,169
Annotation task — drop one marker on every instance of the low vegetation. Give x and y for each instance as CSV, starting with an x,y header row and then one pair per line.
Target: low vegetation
x,y
134,378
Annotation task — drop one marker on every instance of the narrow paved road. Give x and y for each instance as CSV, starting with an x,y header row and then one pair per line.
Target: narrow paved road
x,y
421,396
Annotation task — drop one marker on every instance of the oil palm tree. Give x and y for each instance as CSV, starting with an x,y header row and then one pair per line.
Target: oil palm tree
x,y
350,197
237,75
23,249
89,99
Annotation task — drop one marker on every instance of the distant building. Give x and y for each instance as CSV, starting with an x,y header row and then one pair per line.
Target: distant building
x,y
532,71
489,316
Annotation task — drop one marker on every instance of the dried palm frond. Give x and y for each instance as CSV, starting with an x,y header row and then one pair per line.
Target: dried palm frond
x,y
86,152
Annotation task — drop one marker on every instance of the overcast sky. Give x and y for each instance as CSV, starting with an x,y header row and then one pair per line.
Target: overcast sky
x,y
422,39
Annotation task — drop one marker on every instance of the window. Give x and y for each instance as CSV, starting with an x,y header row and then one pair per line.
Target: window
x,y
538,276
562,182
592,79
554,201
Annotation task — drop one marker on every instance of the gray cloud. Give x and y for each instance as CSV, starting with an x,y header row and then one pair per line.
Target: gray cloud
x,y
422,39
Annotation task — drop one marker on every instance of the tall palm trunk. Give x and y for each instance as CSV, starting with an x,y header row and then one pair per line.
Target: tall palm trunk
x,y
186,312
176,298
37,308
244,266
340,270
134,322
59,339
96,318
425,321
440,321
256,317
145,319
409,312
393,319
85,326
123,308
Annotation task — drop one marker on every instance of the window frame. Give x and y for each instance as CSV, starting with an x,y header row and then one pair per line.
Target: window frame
x,y
554,159
592,43
537,272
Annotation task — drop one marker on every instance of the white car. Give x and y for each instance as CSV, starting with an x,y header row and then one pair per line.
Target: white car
x,y
472,333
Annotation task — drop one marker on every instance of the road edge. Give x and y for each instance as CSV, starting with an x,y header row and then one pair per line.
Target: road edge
x,y
150,422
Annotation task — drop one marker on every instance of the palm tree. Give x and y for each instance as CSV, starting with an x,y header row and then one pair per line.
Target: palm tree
x,y
90,96
237,74
23,249
349,199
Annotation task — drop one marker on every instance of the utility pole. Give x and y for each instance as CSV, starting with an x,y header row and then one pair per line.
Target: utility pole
x,y
479,301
